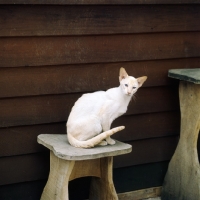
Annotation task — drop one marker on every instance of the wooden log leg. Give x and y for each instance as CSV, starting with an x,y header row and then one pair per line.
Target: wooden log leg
x,y
103,188
57,184
182,181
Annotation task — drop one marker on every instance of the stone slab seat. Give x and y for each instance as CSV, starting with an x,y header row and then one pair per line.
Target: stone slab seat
x,y
68,162
190,75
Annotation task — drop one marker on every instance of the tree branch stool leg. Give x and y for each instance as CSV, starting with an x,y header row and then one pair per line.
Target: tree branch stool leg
x,y
103,188
182,181
57,184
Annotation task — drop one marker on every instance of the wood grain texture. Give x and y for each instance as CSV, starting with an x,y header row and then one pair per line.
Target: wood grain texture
x,y
58,180
97,2
139,176
56,108
27,190
132,178
103,188
141,194
45,46
87,20
86,168
20,146
146,126
31,81
137,127
148,151
37,51
184,165
24,168
15,169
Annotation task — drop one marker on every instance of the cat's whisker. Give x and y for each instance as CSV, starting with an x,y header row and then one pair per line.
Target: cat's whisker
x,y
134,97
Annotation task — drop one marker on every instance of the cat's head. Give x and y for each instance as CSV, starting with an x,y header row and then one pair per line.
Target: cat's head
x,y
129,84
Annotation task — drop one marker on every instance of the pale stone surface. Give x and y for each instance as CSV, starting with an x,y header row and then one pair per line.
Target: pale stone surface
x,y
57,184
62,149
190,75
68,163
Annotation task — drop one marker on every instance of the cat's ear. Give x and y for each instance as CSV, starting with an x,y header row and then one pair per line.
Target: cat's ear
x,y
141,80
122,74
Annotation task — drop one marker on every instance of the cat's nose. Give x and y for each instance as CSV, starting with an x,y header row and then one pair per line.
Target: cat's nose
x,y
129,93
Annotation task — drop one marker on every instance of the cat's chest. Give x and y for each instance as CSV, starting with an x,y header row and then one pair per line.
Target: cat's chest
x,y
121,110
116,109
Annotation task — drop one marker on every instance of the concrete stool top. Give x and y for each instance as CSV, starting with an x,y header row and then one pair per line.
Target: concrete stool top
x,y
190,75
59,144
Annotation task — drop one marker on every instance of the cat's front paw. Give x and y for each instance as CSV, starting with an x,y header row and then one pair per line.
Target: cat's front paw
x,y
110,141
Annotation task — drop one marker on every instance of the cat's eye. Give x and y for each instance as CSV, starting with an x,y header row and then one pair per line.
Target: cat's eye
x,y
126,85
134,87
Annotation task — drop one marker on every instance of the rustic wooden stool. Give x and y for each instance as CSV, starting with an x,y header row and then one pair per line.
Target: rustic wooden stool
x,y
182,181
68,163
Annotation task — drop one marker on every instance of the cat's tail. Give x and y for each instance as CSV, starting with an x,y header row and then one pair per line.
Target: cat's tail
x,y
95,140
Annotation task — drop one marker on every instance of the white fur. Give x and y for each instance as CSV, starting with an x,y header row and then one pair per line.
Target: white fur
x,y
95,112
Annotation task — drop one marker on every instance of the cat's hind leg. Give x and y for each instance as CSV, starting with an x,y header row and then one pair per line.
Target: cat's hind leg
x,y
106,126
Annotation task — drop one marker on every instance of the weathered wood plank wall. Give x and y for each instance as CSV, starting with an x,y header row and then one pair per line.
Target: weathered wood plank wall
x,y
51,54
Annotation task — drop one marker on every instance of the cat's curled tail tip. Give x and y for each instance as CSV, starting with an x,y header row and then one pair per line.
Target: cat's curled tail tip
x,y
122,127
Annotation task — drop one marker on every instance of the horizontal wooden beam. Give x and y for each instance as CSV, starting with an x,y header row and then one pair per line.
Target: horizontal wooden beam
x,y
97,2
38,51
35,166
31,81
148,151
28,20
138,127
128,179
146,126
24,168
141,194
154,192
56,108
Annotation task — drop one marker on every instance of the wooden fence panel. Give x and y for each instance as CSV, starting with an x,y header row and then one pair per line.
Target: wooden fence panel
x,y
94,20
20,168
30,81
24,168
56,108
125,179
143,126
37,51
51,53
97,2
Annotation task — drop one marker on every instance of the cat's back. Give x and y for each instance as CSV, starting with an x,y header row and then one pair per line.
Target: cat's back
x,y
89,103
93,98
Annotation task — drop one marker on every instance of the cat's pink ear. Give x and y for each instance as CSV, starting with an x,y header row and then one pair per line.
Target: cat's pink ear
x,y
122,74
141,80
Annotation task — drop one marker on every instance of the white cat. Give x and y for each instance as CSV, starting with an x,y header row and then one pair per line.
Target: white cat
x,y
95,112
